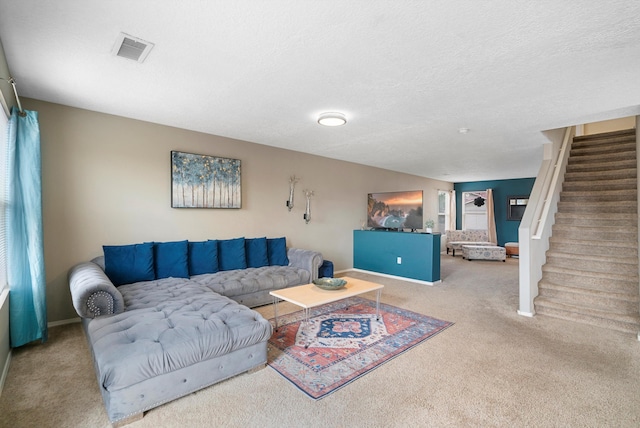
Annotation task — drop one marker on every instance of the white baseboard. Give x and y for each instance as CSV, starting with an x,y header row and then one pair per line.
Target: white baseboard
x,y
526,314
5,372
63,322
417,281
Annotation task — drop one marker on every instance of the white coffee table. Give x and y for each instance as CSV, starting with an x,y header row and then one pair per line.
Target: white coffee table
x,y
309,296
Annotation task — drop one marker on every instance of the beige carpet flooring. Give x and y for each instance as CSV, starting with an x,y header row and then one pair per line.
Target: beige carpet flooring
x,y
492,368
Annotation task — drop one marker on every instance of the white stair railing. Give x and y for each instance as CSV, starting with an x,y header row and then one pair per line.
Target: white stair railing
x,y
535,228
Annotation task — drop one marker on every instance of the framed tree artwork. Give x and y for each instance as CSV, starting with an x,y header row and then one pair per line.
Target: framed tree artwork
x,y
201,181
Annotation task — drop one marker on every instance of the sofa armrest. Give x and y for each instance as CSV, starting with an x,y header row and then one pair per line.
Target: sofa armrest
x,y
305,259
92,293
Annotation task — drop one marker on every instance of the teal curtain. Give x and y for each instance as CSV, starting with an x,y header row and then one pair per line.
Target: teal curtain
x,y
25,252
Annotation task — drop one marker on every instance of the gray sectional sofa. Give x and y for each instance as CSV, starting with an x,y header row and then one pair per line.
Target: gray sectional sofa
x,y
156,340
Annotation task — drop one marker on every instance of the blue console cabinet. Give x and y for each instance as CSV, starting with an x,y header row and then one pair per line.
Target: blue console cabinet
x,y
405,254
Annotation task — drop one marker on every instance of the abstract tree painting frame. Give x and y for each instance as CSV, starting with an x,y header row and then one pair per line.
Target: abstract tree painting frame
x,y
201,181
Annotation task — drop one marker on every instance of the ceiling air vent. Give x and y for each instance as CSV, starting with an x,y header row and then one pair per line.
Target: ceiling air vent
x,y
132,47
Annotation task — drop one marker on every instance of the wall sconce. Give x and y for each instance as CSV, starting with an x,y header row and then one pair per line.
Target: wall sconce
x,y
307,212
292,183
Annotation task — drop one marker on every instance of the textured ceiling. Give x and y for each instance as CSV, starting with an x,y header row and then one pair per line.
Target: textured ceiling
x,y
407,74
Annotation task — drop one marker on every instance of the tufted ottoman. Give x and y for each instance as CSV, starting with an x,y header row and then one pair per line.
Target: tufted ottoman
x,y
483,252
174,339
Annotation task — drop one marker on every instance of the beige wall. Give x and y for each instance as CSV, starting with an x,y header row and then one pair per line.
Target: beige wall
x,y
609,125
7,97
106,180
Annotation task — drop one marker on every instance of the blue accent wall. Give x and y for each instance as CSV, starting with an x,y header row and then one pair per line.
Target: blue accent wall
x,y
507,230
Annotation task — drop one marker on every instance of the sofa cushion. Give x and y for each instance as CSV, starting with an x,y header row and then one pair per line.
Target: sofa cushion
x,y
256,251
125,264
203,257
171,259
241,282
277,251
231,254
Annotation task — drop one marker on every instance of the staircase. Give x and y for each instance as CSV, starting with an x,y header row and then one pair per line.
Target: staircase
x,y
591,273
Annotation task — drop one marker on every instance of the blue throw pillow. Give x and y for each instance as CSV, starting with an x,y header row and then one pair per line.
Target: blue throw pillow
x,y
277,252
256,250
203,257
126,264
231,254
171,259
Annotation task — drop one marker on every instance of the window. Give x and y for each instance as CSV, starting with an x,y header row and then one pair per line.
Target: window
x,y
474,210
3,198
443,210
516,206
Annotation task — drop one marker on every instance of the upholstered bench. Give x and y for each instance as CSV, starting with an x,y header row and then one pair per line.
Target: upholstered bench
x,y
483,252
513,249
457,238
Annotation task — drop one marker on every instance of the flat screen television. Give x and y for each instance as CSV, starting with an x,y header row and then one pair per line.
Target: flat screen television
x,y
395,210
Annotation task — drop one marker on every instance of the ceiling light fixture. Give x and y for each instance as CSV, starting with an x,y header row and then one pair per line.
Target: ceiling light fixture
x,y
332,119
463,130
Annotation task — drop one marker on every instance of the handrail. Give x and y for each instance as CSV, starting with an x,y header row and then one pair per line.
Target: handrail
x,y
538,218
551,190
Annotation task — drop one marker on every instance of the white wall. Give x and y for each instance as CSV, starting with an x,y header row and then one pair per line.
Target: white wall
x,y
106,180
5,349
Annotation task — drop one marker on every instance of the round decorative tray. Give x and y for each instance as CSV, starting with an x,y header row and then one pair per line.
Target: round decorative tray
x,y
330,283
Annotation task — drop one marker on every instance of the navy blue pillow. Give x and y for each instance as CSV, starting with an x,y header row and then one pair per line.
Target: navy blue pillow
x,y
256,250
277,252
171,259
126,264
203,257
231,254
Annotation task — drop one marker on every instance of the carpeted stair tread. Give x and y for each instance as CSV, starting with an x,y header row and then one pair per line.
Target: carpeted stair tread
x,y
627,146
580,247
604,319
617,262
622,283
599,196
629,220
613,276
580,143
609,174
598,207
633,297
620,303
612,136
602,156
595,258
629,183
626,245
600,233
604,228
602,165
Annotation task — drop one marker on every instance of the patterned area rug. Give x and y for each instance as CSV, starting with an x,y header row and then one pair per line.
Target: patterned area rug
x,y
343,341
